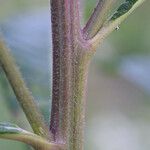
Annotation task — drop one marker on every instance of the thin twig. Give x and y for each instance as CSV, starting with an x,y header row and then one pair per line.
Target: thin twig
x,y
97,18
22,93
111,25
13,132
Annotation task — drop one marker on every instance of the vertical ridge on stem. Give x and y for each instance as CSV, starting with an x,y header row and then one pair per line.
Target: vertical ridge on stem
x,y
65,28
69,75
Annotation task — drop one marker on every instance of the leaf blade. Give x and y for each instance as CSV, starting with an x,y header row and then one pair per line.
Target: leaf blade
x,y
8,128
13,132
124,8
111,24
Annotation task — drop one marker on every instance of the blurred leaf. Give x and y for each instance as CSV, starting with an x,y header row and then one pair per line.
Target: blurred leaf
x,y
13,132
8,128
124,8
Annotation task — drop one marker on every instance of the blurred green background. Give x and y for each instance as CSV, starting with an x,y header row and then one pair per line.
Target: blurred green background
x,y
118,106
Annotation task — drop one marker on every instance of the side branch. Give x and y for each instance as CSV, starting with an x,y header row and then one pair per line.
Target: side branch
x,y
111,24
13,132
21,91
97,18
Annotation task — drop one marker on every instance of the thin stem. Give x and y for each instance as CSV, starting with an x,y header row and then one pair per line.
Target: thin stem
x,y
37,142
22,93
97,18
111,25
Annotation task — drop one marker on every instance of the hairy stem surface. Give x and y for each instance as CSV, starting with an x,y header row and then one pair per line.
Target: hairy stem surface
x,y
97,18
21,91
69,75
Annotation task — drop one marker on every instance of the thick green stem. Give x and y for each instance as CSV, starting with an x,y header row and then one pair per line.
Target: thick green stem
x,y
21,91
77,101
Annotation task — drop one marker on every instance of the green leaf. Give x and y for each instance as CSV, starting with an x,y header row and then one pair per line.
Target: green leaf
x,y
8,128
124,8
13,132
117,18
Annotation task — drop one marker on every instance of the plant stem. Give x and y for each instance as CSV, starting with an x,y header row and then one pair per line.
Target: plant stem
x,y
21,91
72,51
37,142
97,18
70,63
110,25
